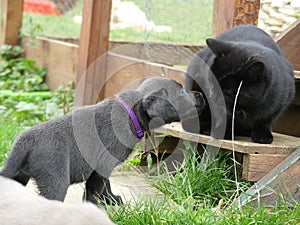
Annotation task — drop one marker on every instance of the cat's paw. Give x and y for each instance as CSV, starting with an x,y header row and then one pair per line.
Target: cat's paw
x,y
262,137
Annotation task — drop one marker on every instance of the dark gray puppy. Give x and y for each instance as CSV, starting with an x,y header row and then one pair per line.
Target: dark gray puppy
x,y
88,143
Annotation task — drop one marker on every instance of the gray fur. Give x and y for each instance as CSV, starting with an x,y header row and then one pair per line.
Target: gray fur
x,y
19,206
88,143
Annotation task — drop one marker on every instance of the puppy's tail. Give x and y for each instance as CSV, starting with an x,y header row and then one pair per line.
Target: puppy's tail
x,y
16,159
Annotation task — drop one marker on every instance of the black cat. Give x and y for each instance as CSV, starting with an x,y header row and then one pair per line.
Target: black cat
x,y
244,53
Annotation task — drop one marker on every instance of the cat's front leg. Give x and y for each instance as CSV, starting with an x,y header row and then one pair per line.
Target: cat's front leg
x,y
262,133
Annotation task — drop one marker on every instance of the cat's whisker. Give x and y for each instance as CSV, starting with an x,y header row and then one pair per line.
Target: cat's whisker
x,y
232,135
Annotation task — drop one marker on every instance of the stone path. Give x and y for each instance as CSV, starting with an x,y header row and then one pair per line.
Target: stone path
x,y
129,185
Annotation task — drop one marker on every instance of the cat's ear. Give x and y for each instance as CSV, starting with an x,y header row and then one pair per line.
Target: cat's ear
x,y
256,68
255,72
218,47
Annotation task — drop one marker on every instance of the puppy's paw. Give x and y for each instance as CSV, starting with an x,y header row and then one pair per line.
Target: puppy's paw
x,y
111,200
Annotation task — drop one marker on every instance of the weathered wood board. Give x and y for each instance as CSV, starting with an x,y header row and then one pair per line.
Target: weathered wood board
x,y
280,185
257,159
126,73
289,42
256,166
59,58
282,144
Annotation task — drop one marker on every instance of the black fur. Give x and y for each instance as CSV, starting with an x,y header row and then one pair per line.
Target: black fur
x,y
244,53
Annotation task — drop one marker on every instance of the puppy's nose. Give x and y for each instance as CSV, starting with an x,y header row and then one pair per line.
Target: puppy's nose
x,y
199,100
198,95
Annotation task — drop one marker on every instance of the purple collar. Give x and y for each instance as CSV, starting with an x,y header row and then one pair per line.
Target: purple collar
x,y
137,126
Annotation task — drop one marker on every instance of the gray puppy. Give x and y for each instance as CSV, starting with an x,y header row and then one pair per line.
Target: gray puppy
x,y
88,143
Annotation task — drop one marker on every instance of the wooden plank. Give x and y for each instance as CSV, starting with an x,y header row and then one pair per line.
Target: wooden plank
x,y
289,42
280,185
230,13
126,73
164,53
93,46
59,58
289,122
10,21
132,185
282,144
256,166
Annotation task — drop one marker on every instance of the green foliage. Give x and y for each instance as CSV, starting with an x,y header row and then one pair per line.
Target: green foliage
x,y
9,129
19,110
32,30
19,74
64,97
30,108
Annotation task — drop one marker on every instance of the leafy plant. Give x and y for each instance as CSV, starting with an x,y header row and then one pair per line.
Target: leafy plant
x,y
30,108
18,73
32,30
64,97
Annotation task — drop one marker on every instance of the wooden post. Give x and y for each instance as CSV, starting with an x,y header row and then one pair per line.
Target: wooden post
x,y
94,41
10,21
232,13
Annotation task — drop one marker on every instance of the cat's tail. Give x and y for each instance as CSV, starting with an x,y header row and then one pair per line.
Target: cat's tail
x,y
16,158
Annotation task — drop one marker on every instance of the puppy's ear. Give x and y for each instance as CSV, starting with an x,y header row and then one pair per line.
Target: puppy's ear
x,y
157,105
160,93
154,98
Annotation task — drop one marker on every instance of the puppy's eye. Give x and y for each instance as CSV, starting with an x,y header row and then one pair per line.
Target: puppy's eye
x,y
221,56
182,92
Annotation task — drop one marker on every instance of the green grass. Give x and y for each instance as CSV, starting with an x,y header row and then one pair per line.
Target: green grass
x,y
191,196
165,213
206,183
9,129
191,22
